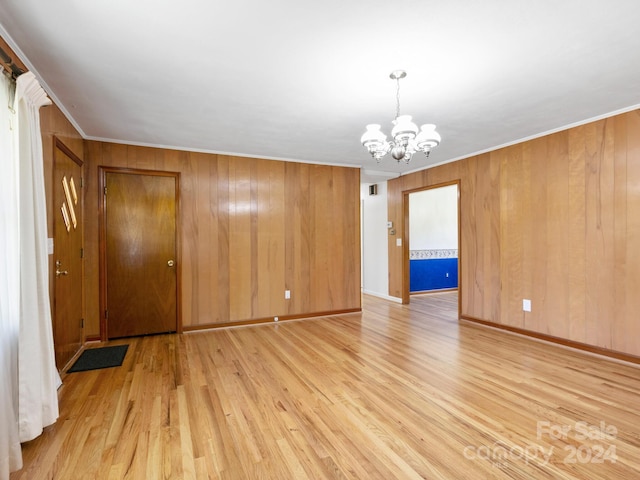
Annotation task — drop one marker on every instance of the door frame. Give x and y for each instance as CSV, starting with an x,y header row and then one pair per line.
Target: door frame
x,y
406,295
102,234
62,147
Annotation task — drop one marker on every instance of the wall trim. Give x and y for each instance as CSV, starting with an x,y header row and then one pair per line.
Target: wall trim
x,y
433,253
584,347
436,290
382,295
534,136
265,320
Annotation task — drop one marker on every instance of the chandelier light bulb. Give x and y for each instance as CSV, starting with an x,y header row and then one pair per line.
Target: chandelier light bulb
x,y
373,137
404,129
428,138
407,138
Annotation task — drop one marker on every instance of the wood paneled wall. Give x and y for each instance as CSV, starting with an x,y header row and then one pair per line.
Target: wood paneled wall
x,y
555,220
53,123
251,228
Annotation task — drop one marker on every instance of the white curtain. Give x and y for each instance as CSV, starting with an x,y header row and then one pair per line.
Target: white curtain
x,y
28,375
10,455
38,378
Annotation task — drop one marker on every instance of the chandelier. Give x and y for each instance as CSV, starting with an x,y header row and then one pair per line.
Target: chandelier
x,y
407,137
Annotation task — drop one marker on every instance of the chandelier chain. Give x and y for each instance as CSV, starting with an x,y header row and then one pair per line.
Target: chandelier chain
x,y
397,97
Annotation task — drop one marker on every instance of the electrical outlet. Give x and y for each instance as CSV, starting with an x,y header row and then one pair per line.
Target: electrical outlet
x,y
526,305
287,294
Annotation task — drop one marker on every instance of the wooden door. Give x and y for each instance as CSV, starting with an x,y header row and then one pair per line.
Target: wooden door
x,y
140,253
67,254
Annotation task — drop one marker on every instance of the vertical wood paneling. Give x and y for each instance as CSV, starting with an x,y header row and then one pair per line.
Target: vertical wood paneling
x,y
335,221
351,230
203,263
510,230
252,228
492,301
618,339
395,214
337,263
554,219
292,191
483,227
298,236
349,235
606,301
264,234
274,275
277,248
240,253
256,248
304,241
188,214
320,216
223,285
576,229
593,229
91,241
599,234
486,192
538,218
469,267
632,283
557,247
528,246
210,243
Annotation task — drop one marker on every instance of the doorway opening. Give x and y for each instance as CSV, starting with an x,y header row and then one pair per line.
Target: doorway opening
x,y
431,247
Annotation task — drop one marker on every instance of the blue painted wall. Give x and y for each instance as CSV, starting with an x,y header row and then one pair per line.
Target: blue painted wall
x,y
431,274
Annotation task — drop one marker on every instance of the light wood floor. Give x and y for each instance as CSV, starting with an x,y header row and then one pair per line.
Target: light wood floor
x,y
395,392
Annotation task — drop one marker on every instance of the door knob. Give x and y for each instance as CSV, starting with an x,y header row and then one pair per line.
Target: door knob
x,y
171,263
61,272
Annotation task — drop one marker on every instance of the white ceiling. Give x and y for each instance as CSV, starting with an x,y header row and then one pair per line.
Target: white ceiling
x,y
299,80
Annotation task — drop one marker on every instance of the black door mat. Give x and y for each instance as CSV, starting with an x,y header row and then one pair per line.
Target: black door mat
x,y
96,358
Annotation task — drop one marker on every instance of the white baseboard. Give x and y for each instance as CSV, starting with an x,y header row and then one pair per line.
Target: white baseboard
x,y
382,295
